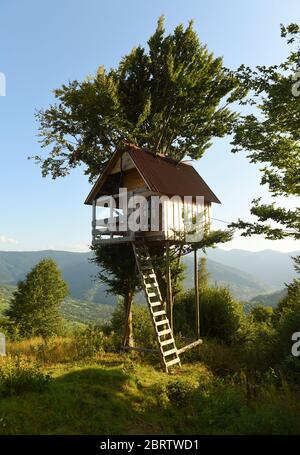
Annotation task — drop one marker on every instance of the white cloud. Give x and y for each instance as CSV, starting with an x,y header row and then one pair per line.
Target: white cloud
x,y
7,240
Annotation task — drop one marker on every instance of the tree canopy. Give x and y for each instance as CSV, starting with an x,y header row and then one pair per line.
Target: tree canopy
x,y
35,305
270,135
172,97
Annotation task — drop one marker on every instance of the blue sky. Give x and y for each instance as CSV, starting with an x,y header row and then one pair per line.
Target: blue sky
x,y
45,44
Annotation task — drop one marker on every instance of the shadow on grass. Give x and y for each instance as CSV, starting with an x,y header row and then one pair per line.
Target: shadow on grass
x,y
91,400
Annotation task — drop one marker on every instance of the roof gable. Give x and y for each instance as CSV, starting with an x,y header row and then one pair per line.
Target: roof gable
x,y
161,174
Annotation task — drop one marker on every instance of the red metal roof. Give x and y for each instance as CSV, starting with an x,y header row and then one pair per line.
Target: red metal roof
x,y
163,175
167,176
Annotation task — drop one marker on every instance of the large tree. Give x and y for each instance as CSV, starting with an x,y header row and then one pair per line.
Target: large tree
x,y
36,303
270,134
172,97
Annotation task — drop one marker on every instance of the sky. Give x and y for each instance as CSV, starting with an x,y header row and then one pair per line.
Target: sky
x,y
45,44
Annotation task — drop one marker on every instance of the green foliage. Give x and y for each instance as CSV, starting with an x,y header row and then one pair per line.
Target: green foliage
x,y
257,350
179,392
220,358
89,341
270,135
290,300
35,305
142,325
19,375
95,397
203,274
118,268
220,315
261,313
167,98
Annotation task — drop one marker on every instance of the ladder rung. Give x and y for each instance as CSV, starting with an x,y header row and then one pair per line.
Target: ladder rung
x,y
155,303
159,313
165,342
165,321
172,362
164,332
151,285
151,294
172,351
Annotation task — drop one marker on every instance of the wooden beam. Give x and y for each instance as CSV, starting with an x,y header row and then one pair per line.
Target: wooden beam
x,y
189,346
169,287
196,284
128,335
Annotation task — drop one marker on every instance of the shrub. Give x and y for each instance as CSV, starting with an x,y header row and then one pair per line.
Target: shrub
x,y
19,375
179,392
258,349
261,313
142,326
219,358
221,316
89,341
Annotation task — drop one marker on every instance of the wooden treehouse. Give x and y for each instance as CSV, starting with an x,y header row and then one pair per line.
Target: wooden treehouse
x,y
146,199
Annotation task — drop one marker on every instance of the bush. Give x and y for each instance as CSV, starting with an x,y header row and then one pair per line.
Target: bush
x,y
261,313
258,349
19,375
179,392
221,359
89,341
220,315
143,333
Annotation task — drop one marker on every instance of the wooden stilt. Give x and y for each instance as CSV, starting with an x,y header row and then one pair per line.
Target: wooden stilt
x,y
169,287
196,283
128,335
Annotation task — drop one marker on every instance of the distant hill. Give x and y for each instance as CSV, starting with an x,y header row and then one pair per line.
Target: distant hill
x,y
242,285
76,269
79,311
270,299
80,273
272,267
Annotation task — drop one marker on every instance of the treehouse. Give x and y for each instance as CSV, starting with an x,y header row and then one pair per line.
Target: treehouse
x,y
168,194
146,199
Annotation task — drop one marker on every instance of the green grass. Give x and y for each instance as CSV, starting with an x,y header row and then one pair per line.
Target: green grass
x,y
119,395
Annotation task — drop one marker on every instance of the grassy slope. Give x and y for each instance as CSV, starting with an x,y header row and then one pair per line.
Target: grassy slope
x,y
117,396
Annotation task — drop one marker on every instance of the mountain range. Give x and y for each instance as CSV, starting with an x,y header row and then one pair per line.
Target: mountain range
x,y
246,273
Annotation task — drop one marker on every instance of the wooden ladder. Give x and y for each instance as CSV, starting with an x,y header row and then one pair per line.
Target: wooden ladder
x,y
164,335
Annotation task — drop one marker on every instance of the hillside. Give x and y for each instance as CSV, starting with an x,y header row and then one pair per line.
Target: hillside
x,y
78,311
270,299
272,267
242,285
118,394
80,273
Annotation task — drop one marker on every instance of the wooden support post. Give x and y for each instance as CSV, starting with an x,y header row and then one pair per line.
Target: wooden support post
x,y
128,334
169,287
196,283
94,220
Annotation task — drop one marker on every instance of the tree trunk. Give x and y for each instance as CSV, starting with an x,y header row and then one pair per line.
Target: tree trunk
x,y
128,329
